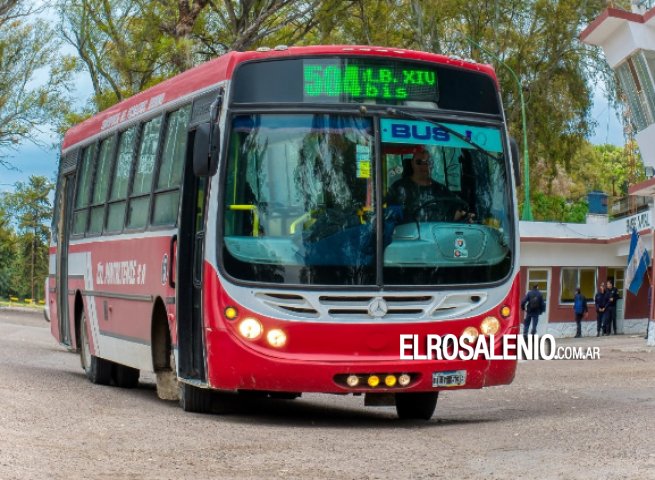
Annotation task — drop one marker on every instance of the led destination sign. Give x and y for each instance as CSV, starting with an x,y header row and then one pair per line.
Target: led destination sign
x,y
356,80
327,80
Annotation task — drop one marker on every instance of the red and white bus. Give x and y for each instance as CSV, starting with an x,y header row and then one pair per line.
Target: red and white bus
x,y
233,230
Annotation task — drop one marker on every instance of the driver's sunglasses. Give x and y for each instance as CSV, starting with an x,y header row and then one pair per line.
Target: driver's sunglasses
x,y
420,161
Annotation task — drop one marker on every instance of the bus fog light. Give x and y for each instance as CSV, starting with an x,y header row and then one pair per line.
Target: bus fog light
x,y
250,328
489,326
231,313
505,312
373,381
352,381
404,380
390,380
470,334
276,338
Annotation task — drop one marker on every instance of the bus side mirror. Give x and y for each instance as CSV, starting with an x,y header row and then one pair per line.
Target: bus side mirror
x,y
516,162
206,147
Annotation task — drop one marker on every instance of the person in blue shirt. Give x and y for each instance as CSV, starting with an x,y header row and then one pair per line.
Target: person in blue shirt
x,y
580,309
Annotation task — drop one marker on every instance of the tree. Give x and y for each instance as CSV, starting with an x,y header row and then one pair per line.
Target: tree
x,y
536,39
129,45
27,48
31,208
8,255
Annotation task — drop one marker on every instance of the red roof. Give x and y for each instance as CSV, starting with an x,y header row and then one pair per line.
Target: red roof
x,y
221,68
616,13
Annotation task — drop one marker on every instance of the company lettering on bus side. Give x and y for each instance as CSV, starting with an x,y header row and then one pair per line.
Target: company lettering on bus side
x,y
127,272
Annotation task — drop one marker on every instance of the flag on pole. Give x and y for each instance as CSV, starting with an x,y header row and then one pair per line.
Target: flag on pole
x,y
638,262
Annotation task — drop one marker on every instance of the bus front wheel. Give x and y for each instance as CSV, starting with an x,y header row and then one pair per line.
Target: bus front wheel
x,y
97,369
416,406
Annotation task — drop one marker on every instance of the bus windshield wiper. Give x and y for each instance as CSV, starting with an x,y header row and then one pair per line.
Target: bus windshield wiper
x,y
403,113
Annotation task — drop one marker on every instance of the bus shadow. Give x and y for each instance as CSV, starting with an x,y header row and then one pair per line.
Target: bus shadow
x,y
313,411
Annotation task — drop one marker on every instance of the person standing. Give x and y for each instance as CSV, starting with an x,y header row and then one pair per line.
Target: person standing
x,y
580,309
533,304
600,301
614,297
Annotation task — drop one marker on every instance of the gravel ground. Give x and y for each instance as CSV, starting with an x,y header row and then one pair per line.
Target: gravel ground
x,y
558,420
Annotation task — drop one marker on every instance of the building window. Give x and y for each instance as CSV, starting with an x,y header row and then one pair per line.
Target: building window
x,y
635,76
572,278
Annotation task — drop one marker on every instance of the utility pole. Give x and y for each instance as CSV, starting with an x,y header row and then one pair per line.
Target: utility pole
x,y
527,209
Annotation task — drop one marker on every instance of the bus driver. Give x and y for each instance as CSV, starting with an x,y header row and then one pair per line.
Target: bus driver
x,y
422,198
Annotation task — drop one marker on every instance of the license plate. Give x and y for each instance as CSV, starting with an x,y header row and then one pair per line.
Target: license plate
x,y
453,378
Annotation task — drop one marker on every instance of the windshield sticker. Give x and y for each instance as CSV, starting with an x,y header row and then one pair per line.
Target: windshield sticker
x,y
460,248
425,133
363,161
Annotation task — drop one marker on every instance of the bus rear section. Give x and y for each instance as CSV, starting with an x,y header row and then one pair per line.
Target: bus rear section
x,y
336,207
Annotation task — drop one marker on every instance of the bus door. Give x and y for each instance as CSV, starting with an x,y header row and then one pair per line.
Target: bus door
x,y
61,328
190,245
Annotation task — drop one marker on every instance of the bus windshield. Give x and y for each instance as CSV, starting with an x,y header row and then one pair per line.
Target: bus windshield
x,y
300,202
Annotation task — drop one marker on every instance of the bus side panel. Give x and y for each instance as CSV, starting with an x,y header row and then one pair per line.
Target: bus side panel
x,y
121,280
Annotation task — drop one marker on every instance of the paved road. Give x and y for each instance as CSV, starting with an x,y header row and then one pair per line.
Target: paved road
x,y
559,419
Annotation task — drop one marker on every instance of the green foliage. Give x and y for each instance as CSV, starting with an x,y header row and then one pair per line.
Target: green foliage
x,y
27,238
8,255
27,47
558,208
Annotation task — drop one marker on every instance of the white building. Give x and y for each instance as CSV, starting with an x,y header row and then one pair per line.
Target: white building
x,y
559,257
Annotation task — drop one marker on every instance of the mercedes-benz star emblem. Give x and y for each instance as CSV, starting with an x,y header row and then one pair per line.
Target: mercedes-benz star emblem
x,y
377,308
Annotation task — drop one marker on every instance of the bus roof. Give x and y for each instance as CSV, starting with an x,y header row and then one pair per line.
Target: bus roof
x,y
214,71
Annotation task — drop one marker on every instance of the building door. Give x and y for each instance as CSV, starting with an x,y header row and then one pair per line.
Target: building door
x,y
618,275
541,277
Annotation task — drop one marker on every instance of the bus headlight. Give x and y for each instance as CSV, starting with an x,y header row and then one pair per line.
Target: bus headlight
x,y
276,338
470,334
352,381
404,380
250,328
490,326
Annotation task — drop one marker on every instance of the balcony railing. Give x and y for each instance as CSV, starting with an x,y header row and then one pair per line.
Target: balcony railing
x,y
626,206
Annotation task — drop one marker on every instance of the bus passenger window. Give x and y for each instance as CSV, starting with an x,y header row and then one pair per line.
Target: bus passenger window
x,y
167,193
116,207
142,183
101,184
83,190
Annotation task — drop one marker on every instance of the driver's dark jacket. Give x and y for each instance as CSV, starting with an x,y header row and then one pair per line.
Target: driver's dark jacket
x,y
412,196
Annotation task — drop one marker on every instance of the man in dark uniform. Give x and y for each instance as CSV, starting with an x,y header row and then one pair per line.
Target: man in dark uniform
x,y
600,301
614,297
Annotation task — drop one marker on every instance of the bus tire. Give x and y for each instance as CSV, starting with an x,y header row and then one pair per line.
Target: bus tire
x,y
194,399
97,370
416,406
125,377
